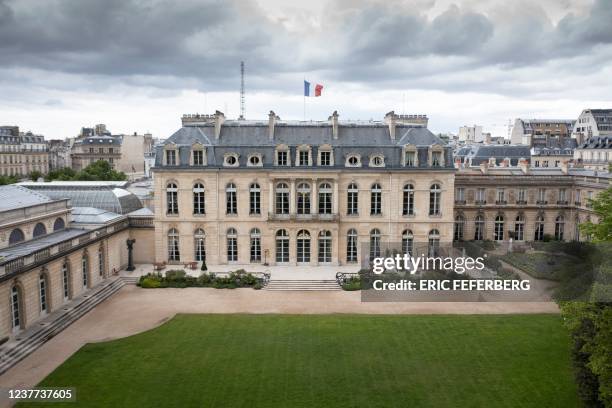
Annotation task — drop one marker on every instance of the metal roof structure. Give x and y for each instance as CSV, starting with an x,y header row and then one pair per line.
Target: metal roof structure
x,y
14,196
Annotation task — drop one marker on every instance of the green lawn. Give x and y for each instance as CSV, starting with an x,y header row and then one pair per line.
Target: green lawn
x,y
329,361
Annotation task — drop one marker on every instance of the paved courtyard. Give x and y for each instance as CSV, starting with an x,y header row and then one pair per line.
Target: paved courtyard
x,y
133,310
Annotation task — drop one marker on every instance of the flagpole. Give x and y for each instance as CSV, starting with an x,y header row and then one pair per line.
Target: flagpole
x,y
304,92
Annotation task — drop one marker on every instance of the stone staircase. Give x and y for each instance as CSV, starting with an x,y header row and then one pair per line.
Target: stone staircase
x,y
130,280
19,347
310,285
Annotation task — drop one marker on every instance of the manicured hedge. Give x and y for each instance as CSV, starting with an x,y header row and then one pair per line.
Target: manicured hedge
x,y
179,279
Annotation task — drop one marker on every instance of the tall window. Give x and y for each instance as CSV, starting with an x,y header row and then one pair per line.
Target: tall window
x,y
58,224
303,157
410,159
519,228
303,246
232,245
16,236
15,307
436,159
562,195
282,158
282,198
539,229
542,196
374,244
173,245
522,195
199,238
433,242
231,203
459,227
198,157
39,230
303,198
479,228
559,228
480,196
498,232
325,246
408,200
254,199
407,242
325,198
282,246
171,157
351,246
459,195
435,194
501,196
172,198
198,199
255,245
376,200
65,281
42,291
352,200
100,261
85,270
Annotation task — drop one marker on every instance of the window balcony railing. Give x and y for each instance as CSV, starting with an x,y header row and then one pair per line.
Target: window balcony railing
x,y
562,202
521,202
460,202
501,202
577,203
480,202
302,217
541,202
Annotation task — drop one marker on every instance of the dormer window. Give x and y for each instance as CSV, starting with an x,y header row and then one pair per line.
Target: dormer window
x,y
198,157
353,161
171,157
377,161
255,160
410,159
436,159
282,156
325,158
231,160
303,158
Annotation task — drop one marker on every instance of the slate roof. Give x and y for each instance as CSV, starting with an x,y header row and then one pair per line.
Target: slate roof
x,y
597,142
482,153
13,196
36,244
248,137
90,215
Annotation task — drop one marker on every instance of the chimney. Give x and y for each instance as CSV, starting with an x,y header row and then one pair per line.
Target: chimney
x,y
391,119
457,163
484,167
271,123
492,162
334,123
219,119
524,165
505,162
488,138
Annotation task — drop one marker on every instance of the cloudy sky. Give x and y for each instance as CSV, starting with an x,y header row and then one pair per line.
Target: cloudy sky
x,y
137,65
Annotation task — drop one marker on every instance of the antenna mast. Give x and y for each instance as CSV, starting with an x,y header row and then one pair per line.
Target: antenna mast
x,y
242,109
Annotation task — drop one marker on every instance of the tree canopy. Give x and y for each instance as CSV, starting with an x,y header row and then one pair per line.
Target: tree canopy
x,y
98,171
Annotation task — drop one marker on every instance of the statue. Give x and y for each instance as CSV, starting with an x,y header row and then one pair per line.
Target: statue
x,y
130,245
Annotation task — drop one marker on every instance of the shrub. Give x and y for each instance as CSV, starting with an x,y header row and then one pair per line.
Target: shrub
x,y
149,282
352,283
175,275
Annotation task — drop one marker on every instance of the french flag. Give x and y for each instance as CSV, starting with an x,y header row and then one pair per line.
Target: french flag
x,y
317,89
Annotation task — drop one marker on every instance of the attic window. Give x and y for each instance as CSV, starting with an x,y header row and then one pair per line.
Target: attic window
x,y
353,161
255,160
377,161
231,160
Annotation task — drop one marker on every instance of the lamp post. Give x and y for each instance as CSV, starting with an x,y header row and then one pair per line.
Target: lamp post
x,y
130,245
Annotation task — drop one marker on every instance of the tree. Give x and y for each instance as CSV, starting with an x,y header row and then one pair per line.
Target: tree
x,y
4,180
590,323
98,171
35,175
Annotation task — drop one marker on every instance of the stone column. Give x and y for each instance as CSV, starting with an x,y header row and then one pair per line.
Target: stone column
x,y
336,198
292,199
314,209
271,197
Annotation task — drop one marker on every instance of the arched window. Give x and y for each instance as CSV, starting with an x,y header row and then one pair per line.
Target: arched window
x,y
459,227
303,198
255,245
325,198
232,245
101,261
325,246
352,200
282,199
39,230
85,270
408,200
172,199
282,246
254,199
498,232
16,236
42,292
539,228
231,203
435,195
374,243
65,281
16,308
433,242
351,246
174,254
407,242
303,246
519,228
199,239
376,200
479,228
59,224
199,202
559,228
